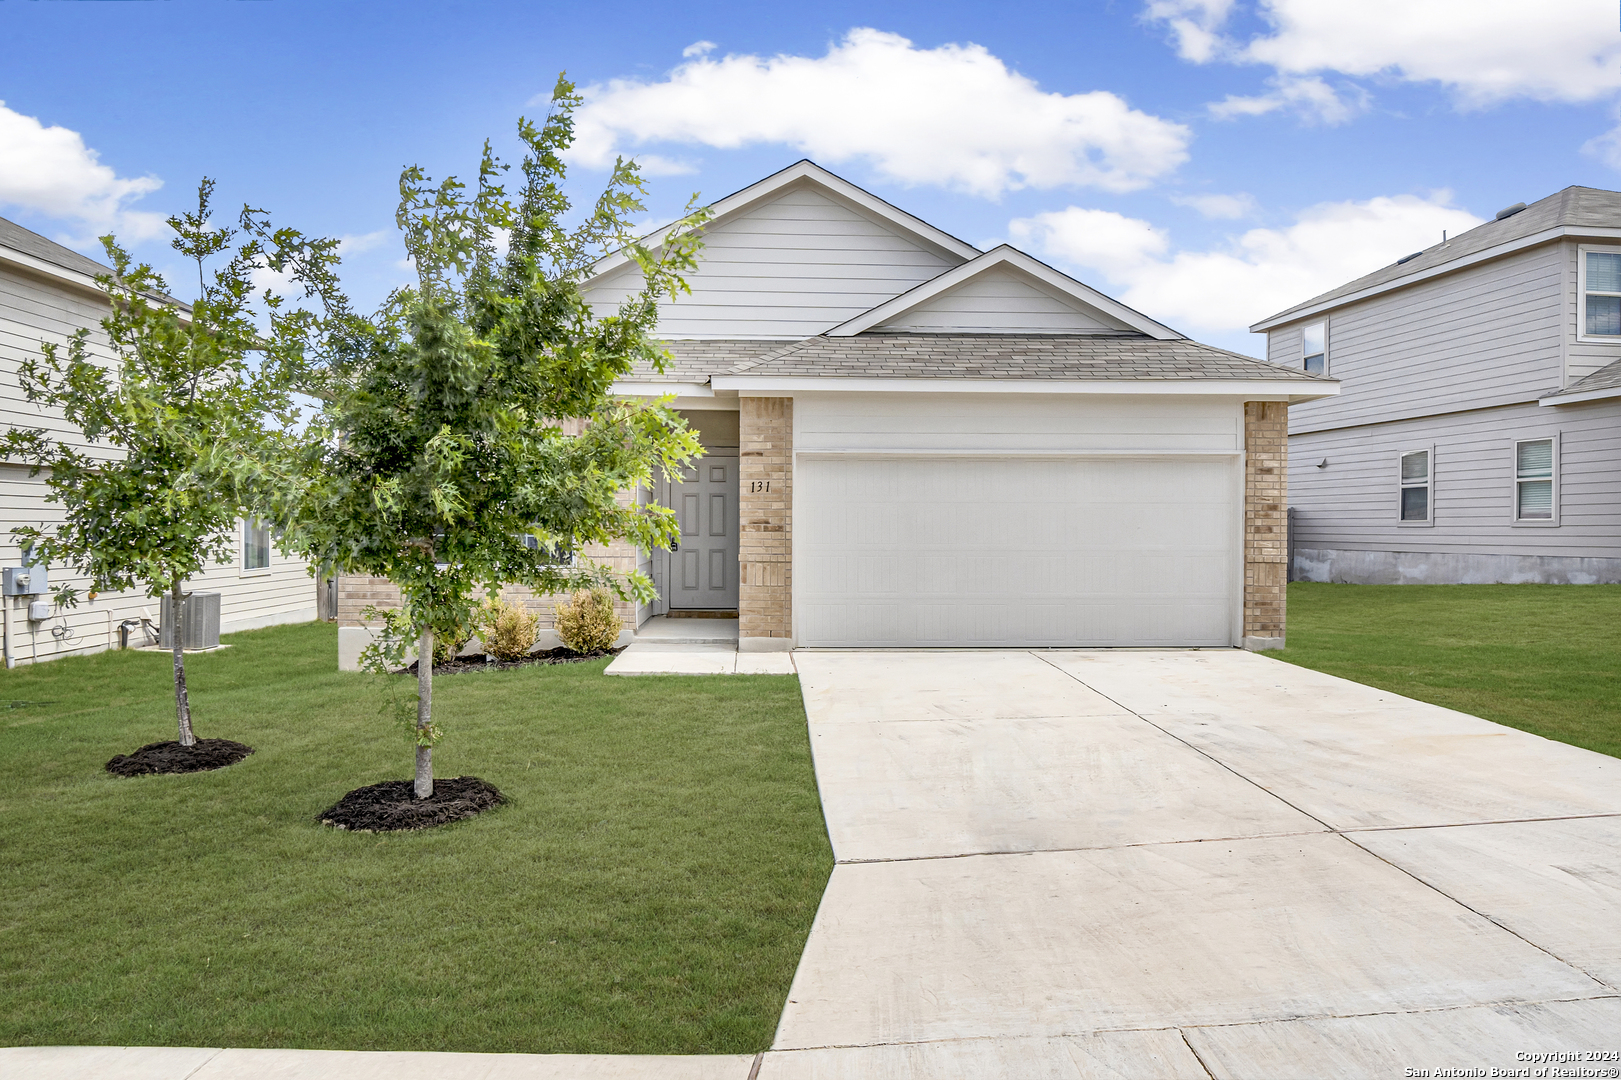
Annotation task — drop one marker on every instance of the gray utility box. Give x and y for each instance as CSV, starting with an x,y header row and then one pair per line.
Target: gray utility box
x,y
201,619
27,581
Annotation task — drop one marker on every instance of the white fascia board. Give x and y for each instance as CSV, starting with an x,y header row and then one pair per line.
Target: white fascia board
x,y
1581,395
650,388
1509,248
1248,389
809,171
1004,255
39,266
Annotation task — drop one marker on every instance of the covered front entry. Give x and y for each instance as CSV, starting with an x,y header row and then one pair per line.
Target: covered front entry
x,y
702,570
935,550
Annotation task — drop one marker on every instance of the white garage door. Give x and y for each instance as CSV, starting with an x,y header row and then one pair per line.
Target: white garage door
x,y
919,551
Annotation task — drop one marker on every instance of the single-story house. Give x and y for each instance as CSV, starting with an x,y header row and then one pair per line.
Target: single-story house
x,y
912,442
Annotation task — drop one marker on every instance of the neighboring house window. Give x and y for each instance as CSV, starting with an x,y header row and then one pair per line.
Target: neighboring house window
x,y
1314,348
556,554
1415,485
1601,286
255,545
1535,480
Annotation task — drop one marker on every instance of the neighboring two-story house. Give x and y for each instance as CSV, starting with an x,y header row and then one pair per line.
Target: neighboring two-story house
x,y
1477,437
48,293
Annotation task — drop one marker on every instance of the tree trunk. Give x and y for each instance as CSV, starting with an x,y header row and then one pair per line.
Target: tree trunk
x,y
424,786
182,701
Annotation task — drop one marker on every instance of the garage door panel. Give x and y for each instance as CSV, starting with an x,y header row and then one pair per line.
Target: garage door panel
x,y
1014,551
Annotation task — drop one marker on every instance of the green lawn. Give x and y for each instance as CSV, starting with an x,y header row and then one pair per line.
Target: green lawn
x,y
1542,658
648,889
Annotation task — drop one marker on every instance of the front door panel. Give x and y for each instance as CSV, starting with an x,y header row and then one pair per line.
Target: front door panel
x,y
703,571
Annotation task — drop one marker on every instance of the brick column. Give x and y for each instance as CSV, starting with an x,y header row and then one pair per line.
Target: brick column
x,y
765,513
1266,522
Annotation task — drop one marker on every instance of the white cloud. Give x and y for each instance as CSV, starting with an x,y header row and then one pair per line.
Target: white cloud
x,y
351,244
50,171
1485,51
1228,207
953,115
1606,147
1309,97
1255,274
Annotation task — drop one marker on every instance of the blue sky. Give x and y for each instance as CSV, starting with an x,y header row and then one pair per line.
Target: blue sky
x,y
1208,161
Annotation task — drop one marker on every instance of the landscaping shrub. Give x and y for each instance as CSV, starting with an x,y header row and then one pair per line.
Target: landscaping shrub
x,y
449,641
508,631
587,623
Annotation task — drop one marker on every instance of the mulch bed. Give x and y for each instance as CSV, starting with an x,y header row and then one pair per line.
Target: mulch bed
x,y
547,656
171,757
393,805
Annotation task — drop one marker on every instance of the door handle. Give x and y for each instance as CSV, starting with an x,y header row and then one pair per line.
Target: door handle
x,y
675,547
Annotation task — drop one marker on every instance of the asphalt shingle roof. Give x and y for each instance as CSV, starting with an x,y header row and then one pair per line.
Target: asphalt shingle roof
x,y
695,361
14,236
1011,356
1607,377
1575,207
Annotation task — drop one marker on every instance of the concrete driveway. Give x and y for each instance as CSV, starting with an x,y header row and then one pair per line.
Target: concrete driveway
x,y
1193,864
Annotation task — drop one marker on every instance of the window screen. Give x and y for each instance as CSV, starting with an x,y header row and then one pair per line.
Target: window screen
x,y
1603,293
1314,347
255,544
1415,486
1533,480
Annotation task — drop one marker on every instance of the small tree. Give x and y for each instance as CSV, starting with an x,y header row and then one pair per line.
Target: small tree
x,y
150,493
445,442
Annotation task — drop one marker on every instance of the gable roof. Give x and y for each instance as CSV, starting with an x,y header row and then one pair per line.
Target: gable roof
x,y
1575,211
1005,256
805,171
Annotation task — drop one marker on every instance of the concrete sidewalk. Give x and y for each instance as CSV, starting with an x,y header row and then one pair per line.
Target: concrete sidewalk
x,y
1192,863
206,1063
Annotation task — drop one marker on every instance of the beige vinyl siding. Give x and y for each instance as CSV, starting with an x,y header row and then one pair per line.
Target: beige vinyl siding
x,y
790,268
1001,300
1352,503
35,308
1582,358
1485,336
284,592
1283,345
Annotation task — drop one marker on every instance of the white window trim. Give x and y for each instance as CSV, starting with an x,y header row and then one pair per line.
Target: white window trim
x,y
1514,484
1581,295
1429,482
242,569
1300,361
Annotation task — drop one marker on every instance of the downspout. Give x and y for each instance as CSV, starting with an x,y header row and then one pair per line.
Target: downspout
x,y
6,618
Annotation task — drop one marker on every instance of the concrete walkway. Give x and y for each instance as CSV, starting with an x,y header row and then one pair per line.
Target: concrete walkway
x,y
666,646
1192,864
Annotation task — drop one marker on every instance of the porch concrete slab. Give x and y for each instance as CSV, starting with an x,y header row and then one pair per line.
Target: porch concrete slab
x,y
958,787
866,687
1556,883
765,663
1506,1037
1115,1055
181,1063
662,658
1167,935
1350,755
689,631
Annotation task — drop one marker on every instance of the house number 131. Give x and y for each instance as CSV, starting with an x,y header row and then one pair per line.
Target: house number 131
x,y
756,486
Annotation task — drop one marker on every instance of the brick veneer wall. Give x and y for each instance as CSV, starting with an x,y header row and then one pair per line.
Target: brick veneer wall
x,y
1266,522
766,516
356,592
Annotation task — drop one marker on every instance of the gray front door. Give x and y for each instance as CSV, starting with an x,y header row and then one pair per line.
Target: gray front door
x,y
703,568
